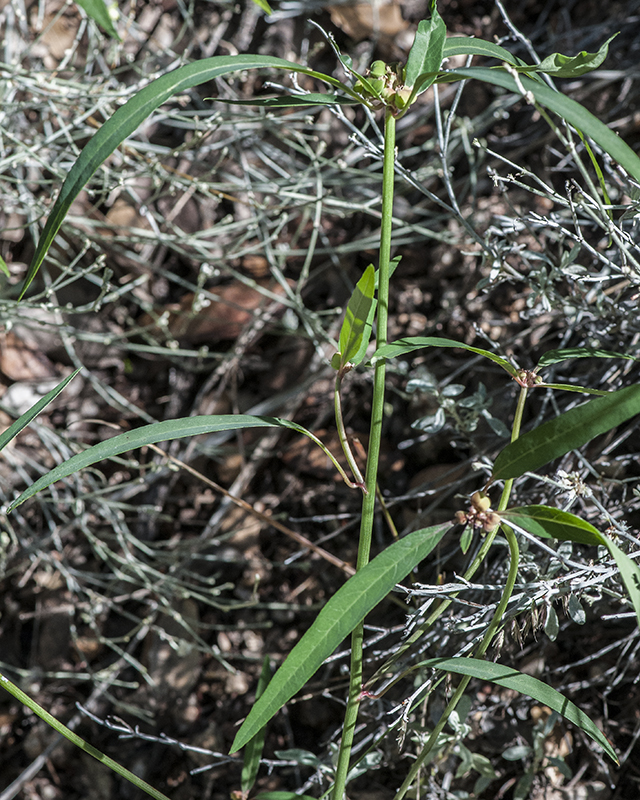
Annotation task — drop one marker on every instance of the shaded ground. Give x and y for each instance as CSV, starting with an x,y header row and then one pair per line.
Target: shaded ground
x,y
204,272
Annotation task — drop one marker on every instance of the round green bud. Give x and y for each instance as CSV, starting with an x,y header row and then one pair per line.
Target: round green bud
x,y
377,69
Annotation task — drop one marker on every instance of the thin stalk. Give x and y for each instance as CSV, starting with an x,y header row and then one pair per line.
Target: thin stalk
x,y
371,474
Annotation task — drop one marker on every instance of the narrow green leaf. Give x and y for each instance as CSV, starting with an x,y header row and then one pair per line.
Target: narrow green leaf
x,y
159,432
127,118
568,109
552,523
427,49
524,684
254,748
408,345
22,421
98,11
73,737
571,387
556,356
566,432
293,101
282,796
4,268
264,6
357,315
346,609
560,66
465,46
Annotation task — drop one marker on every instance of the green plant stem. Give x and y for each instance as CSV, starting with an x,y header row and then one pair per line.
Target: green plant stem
x,y
375,435
78,741
342,434
496,620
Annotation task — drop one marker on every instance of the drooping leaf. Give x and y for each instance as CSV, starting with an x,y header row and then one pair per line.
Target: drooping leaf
x,y
161,432
560,66
127,118
427,49
358,313
574,113
524,684
556,356
553,523
22,421
254,748
412,343
346,609
98,11
566,432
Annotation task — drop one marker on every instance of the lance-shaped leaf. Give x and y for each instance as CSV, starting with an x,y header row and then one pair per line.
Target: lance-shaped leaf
x,y
566,432
254,748
524,684
556,356
358,318
22,421
553,523
568,109
412,343
346,609
162,432
127,118
426,52
560,66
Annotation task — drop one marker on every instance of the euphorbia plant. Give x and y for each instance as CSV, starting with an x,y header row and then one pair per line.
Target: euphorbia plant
x,y
390,89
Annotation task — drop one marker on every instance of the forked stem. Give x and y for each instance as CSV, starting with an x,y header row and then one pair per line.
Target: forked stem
x,y
371,474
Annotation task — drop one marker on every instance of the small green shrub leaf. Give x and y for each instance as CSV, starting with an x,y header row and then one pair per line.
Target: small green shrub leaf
x,y
127,118
551,624
412,343
556,356
346,609
427,49
22,421
560,66
161,432
524,684
359,312
552,523
98,11
566,432
254,748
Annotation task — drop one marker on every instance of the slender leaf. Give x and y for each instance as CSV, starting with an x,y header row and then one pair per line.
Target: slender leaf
x,y
568,109
570,387
525,684
127,118
566,432
73,737
282,796
4,268
264,6
556,356
160,432
22,421
356,316
254,748
346,609
427,49
403,346
560,66
292,101
552,523
466,46
98,11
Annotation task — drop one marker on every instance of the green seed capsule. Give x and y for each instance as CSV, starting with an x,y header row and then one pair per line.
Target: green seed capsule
x,y
377,69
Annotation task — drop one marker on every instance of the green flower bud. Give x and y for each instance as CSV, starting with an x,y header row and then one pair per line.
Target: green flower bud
x,y
377,69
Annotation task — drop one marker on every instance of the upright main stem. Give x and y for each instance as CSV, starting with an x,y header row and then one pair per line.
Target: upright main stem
x,y
371,475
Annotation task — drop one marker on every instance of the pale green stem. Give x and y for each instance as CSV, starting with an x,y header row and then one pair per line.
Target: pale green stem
x,y
73,737
371,475
342,434
514,559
